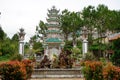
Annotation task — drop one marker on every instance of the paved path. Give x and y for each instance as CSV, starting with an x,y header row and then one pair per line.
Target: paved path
x,y
59,79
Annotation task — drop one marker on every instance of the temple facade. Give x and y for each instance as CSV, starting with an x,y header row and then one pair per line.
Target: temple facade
x,y
53,42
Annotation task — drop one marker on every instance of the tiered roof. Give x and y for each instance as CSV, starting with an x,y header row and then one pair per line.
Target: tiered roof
x,y
53,19
49,40
53,10
53,22
52,15
53,25
53,31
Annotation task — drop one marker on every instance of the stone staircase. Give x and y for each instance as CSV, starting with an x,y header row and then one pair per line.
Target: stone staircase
x,y
57,73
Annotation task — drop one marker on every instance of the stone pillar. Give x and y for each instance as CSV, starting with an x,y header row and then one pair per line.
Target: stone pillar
x,y
85,46
31,43
21,41
84,42
46,51
21,47
59,50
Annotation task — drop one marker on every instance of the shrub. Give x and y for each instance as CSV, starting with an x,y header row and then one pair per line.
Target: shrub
x,y
115,58
111,72
76,53
96,70
13,70
88,57
18,57
28,67
7,48
92,70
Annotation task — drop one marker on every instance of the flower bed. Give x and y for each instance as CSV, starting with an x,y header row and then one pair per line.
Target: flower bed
x,y
28,67
95,70
15,70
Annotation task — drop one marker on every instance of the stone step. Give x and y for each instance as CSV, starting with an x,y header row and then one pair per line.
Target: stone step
x,y
57,73
56,76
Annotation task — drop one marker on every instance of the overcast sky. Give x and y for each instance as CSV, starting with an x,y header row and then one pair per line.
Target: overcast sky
x,y
27,13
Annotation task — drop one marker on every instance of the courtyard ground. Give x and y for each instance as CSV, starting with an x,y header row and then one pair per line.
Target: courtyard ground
x,y
59,79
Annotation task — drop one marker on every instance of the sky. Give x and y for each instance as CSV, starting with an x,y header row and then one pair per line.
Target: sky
x,y
16,14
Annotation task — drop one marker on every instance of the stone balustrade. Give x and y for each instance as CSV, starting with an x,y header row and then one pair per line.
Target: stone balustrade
x,y
57,73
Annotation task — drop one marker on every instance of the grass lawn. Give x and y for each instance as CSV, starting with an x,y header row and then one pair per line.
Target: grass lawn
x,y
4,59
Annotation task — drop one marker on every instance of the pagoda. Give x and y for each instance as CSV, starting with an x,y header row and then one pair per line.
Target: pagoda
x,y
53,42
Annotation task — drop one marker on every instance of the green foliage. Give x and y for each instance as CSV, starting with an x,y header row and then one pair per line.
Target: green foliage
x,y
76,53
55,61
98,49
103,60
88,57
32,57
116,45
7,48
68,45
18,57
98,46
79,44
15,38
37,45
76,23
71,23
115,58
41,28
76,50
5,57
26,47
2,34
65,20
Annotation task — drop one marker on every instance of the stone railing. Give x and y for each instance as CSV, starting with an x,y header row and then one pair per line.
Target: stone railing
x,y
57,73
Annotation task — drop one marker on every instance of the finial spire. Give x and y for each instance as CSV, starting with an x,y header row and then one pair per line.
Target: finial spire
x,y
53,7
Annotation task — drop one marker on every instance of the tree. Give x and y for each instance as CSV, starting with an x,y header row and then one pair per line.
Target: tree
x,y
116,56
114,20
2,34
7,48
101,20
76,24
71,23
41,28
15,37
65,21
15,42
37,45
89,15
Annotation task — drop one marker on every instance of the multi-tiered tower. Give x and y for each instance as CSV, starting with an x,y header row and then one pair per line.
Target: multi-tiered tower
x,y
53,42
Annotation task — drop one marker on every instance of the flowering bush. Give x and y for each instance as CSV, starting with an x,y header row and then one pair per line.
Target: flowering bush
x,y
92,70
111,72
13,70
96,70
28,67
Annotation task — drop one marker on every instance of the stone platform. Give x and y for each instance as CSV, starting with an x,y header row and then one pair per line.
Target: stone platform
x,y
57,73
